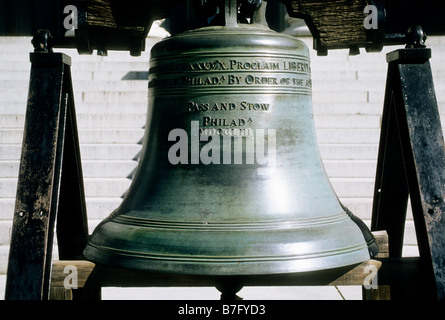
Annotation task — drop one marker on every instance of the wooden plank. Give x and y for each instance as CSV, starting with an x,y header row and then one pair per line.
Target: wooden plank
x,y
360,275
381,238
334,23
130,15
88,273
120,25
60,293
62,269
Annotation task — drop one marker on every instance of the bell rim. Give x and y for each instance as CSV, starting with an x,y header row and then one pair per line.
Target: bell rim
x,y
239,266
147,254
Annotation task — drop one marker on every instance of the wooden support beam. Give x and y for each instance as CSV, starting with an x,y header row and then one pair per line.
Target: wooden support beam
x,y
334,24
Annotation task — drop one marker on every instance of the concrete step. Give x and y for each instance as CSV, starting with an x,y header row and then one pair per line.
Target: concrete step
x,y
87,151
83,75
90,168
94,187
21,53
114,97
97,97
4,254
347,121
140,108
85,120
5,232
86,85
15,75
93,96
24,75
106,187
350,168
86,136
323,84
127,65
114,75
348,151
360,207
97,208
342,96
353,187
327,136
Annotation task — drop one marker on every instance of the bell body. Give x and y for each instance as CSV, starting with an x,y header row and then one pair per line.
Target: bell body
x,y
230,180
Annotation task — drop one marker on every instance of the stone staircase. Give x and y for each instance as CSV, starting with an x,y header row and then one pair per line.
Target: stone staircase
x,y
111,102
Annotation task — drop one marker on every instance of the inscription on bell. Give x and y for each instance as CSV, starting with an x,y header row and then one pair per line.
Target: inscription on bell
x,y
209,121
233,64
196,81
226,106
284,74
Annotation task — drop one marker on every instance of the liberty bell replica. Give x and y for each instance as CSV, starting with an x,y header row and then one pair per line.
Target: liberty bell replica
x,y
230,180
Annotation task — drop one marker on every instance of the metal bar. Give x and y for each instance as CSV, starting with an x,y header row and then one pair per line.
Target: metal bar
x,y
72,224
38,186
391,188
411,102
424,153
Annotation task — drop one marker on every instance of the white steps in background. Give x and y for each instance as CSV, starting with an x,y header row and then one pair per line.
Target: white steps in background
x,y
347,101
110,116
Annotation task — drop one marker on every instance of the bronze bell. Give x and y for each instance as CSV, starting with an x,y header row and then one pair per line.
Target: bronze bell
x,y
230,180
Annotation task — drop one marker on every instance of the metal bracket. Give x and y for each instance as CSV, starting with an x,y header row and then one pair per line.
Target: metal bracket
x,y
42,41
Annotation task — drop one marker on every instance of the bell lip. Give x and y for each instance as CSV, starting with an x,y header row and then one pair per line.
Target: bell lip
x,y
106,248
249,263
113,258
152,278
